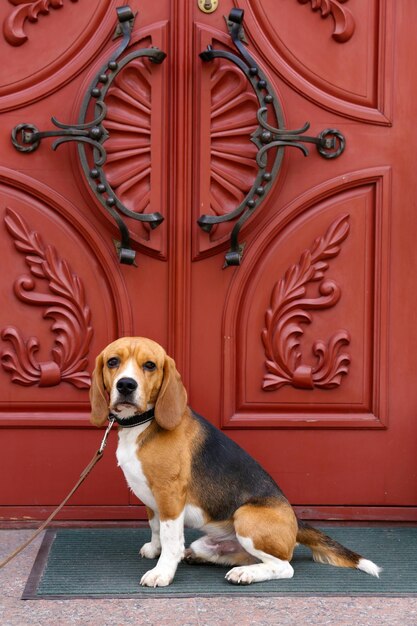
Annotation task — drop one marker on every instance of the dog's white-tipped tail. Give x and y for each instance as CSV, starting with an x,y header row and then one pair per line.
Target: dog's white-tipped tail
x,y
369,567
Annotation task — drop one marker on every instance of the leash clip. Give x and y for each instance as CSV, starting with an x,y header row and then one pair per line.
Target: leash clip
x,y
106,434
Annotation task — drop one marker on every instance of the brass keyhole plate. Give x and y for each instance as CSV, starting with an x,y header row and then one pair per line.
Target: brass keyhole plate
x,y
208,6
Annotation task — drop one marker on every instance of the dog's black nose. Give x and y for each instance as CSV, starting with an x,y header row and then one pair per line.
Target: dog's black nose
x,y
125,386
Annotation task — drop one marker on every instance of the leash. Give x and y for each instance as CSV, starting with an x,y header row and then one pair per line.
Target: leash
x,y
96,458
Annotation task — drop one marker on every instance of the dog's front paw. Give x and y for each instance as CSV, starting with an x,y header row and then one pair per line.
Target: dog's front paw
x,y
150,550
240,576
156,577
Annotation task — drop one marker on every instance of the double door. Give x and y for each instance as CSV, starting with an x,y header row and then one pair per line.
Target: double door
x,y
283,284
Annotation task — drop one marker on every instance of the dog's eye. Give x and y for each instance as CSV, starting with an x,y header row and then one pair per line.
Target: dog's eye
x,y
150,366
113,362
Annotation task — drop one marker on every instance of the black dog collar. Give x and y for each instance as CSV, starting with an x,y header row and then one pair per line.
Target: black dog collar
x,y
134,420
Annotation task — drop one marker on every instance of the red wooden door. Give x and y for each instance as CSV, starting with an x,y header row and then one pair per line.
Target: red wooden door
x,y
305,353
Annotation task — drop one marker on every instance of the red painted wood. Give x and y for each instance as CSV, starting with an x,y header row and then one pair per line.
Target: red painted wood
x,y
14,516
335,427
73,513
364,514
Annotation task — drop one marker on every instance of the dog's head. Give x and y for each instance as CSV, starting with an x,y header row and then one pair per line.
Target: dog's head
x,y
132,375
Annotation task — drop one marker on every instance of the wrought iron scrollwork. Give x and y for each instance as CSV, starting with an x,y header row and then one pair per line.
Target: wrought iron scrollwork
x,y
330,143
27,138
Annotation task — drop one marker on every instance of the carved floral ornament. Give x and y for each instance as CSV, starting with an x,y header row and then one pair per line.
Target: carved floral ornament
x,y
344,23
65,305
289,309
13,26
14,33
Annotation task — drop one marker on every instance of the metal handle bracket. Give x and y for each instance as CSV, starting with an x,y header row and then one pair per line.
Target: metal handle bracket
x,y
329,143
27,138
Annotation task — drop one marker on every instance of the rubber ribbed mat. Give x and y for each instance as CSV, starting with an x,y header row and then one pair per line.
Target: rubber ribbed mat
x,y
106,563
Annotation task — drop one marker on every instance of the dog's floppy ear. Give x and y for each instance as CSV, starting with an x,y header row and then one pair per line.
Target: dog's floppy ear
x,y
172,398
98,400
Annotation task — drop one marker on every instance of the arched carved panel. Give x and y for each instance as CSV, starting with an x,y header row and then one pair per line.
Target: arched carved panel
x,y
342,63
303,326
137,148
50,254
41,58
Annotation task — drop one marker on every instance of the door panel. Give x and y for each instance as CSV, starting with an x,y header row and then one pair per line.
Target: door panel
x,y
306,380
304,354
318,357
343,62
61,302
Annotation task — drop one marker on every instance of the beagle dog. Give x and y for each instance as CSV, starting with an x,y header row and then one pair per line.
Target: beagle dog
x,y
189,473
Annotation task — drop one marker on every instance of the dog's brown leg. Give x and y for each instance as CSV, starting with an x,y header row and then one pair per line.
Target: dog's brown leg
x,y
268,532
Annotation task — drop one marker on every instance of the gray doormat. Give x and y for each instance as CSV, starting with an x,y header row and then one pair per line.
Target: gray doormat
x,y
105,563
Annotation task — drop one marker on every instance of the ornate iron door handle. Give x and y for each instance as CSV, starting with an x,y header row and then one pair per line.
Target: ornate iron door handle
x,y
27,138
330,143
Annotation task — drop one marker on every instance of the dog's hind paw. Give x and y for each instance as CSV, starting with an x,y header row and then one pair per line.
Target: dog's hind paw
x,y
191,558
240,576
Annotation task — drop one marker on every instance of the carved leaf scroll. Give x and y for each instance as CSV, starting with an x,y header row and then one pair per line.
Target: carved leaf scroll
x,y
13,26
289,309
343,18
65,305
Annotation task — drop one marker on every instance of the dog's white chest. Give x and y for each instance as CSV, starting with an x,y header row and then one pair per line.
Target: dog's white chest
x,y
128,460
